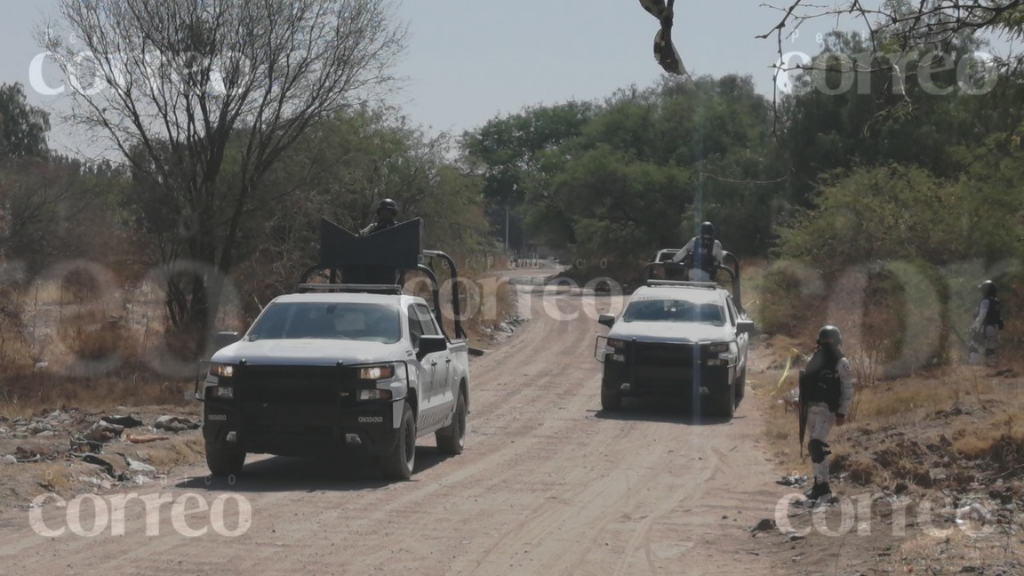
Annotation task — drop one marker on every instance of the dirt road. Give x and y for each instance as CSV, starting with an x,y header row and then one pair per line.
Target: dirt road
x,y
549,484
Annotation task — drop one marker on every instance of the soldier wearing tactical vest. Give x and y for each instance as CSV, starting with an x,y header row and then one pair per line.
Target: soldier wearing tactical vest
x,y
387,216
986,326
826,392
702,253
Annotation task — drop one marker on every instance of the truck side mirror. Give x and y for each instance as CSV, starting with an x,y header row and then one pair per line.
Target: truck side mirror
x,y
606,320
430,344
745,327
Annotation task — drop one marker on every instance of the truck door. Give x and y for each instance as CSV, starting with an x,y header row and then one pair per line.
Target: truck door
x,y
742,340
434,398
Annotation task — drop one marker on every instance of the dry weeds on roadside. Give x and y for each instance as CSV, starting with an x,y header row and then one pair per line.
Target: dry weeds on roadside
x,y
899,428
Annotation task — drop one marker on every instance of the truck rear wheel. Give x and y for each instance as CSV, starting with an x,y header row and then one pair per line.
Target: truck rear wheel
x,y
399,462
611,399
224,459
452,438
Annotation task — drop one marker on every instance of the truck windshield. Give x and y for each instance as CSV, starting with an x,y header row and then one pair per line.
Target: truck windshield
x,y
334,321
667,310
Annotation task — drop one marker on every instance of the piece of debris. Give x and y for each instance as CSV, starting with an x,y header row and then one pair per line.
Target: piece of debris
x,y
763,526
146,438
97,461
975,512
103,432
79,444
136,466
175,424
791,399
937,474
9,459
38,428
24,455
129,421
792,480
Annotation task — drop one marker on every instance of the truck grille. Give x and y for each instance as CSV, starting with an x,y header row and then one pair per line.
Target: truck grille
x,y
296,384
654,354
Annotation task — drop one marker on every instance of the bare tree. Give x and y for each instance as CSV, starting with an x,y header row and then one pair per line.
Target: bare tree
x,y
202,97
912,23
902,27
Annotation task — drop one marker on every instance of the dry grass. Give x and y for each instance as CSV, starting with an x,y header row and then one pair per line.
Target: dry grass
x,y
179,451
54,477
948,551
27,394
910,406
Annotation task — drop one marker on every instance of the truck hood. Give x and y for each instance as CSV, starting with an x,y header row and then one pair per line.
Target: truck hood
x,y
677,332
309,352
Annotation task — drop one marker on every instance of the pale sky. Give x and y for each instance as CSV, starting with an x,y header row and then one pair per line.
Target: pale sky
x,y
469,60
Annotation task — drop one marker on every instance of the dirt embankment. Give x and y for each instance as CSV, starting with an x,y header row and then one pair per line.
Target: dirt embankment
x,y
929,473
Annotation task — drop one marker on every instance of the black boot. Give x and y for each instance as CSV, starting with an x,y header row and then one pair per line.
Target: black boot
x,y
818,491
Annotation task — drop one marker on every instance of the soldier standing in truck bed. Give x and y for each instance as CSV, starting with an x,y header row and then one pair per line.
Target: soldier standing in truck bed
x,y
387,216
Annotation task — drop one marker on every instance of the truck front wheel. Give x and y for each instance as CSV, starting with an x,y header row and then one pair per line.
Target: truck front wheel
x,y
398,463
611,398
224,459
723,405
452,438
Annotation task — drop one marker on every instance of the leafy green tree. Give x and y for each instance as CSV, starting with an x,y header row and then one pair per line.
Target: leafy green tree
x,y
23,127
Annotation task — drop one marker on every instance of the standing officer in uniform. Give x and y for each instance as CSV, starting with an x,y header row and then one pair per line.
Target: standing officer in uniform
x,y
987,324
826,391
702,253
387,216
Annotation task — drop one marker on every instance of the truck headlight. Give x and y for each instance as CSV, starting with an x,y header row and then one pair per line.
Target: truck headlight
x,y
617,344
222,370
377,372
722,354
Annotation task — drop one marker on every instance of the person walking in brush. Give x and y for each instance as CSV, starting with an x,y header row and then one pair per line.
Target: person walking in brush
x,y
987,323
826,392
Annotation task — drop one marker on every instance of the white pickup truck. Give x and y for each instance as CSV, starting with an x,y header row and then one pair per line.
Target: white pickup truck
x,y
317,373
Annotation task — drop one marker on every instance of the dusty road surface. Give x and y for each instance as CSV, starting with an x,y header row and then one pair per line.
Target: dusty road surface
x,y
549,484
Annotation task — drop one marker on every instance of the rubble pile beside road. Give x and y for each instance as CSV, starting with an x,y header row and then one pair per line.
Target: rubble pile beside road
x,y
94,451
